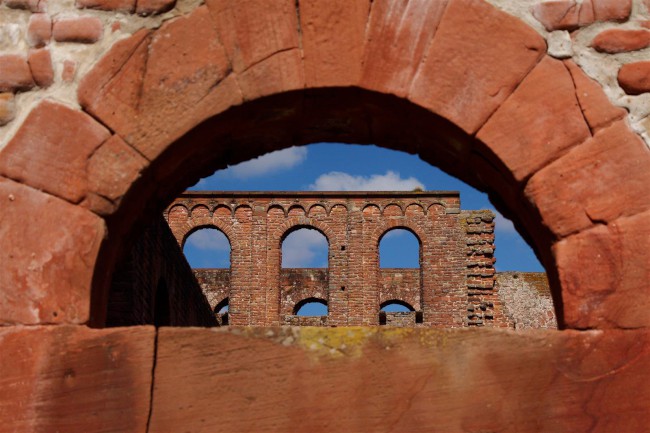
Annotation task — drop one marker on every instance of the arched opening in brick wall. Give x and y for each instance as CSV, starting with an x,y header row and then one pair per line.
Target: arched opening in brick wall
x,y
207,247
311,307
305,247
399,248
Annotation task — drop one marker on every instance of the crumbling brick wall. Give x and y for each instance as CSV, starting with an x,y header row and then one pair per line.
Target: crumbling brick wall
x,y
454,286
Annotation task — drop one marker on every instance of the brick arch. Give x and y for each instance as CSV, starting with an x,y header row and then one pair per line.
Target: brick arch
x,y
297,89
296,223
387,226
194,226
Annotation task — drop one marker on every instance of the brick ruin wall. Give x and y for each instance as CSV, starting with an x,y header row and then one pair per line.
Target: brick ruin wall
x,y
47,46
455,286
154,284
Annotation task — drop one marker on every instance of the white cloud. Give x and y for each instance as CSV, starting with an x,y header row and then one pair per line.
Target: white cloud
x,y
503,225
339,181
304,248
209,239
271,162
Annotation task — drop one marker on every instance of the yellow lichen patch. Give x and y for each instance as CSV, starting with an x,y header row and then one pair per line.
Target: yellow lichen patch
x,y
334,342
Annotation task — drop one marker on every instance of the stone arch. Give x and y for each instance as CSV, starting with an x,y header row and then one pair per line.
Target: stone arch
x,y
310,299
417,104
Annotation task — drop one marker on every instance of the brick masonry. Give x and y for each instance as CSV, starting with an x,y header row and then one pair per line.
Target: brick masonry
x,y
454,286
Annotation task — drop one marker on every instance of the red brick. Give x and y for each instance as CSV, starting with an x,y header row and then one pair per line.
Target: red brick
x,y
620,41
107,5
48,249
596,106
69,71
7,108
39,31
14,73
612,10
333,39
604,274
525,138
153,7
86,30
477,58
398,35
423,380
634,78
50,157
40,63
599,181
113,168
75,379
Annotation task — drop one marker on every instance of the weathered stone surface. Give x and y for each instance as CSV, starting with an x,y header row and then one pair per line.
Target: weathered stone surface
x,y
69,71
253,31
416,380
86,30
476,60
75,379
50,157
152,7
398,34
39,31
112,169
107,5
634,78
601,180
14,73
30,5
124,87
40,63
610,288
571,15
333,39
526,138
281,72
48,250
614,41
7,108
597,108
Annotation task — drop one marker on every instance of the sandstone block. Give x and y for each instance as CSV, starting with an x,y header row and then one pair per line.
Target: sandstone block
x,y
604,274
14,73
7,108
525,139
153,7
601,180
333,39
252,31
113,168
571,15
75,379
86,30
620,41
48,249
634,78
186,55
39,30
595,104
424,380
107,5
30,5
40,63
612,10
50,157
477,58
398,34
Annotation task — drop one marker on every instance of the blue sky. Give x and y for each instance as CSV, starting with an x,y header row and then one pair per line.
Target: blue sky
x,y
328,166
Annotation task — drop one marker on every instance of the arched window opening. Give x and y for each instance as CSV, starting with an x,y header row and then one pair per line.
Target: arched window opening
x,y
305,248
207,248
399,248
221,312
311,307
396,306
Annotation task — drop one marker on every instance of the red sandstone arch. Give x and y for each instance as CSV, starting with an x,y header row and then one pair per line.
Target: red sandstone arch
x,y
466,86
536,134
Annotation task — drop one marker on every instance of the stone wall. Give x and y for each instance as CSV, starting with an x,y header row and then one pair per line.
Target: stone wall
x,y
154,284
526,300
